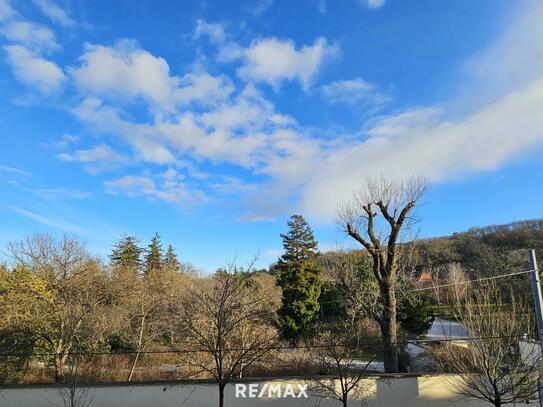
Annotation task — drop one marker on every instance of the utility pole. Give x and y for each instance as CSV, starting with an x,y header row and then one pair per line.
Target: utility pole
x,y
538,303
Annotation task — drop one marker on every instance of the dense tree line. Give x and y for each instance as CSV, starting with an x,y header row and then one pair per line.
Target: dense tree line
x,y
57,299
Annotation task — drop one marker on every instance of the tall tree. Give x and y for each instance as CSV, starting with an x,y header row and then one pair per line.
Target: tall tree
x,y
375,217
153,256
230,320
61,283
126,253
300,278
170,260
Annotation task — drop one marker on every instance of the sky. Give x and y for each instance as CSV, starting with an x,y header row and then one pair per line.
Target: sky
x,y
211,122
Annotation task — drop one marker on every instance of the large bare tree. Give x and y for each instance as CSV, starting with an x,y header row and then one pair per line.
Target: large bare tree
x,y
493,367
225,326
375,217
57,280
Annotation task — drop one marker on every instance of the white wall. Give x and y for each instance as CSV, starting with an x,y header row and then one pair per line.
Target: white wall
x,y
423,391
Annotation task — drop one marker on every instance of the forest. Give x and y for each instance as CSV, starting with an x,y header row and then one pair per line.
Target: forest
x,y
68,316
57,298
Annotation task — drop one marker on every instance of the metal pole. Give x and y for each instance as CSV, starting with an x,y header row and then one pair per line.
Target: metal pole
x,y
538,304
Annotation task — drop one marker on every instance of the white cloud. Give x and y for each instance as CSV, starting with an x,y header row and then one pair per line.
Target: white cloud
x,y
55,12
97,159
33,70
143,138
172,174
229,52
170,191
514,60
132,185
235,131
62,192
354,92
372,4
13,170
214,31
259,7
322,6
101,152
273,61
428,142
47,220
33,36
126,72
65,141
295,167
203,88
6,11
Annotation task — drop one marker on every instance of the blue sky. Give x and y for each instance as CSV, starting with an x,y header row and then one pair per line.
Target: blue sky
x,y
211,122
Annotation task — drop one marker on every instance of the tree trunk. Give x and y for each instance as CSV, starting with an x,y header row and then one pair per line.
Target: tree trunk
x,y
57,373
221,394
138,349
388,327
133,367
60,362
497,399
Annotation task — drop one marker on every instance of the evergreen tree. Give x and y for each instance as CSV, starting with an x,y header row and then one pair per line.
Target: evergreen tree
x,y
415,314
170,260
153,256
126,253
300,278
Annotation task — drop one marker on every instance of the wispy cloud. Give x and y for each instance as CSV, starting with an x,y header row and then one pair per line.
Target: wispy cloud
x,y
55,12
258,7
13,170
62,192
372,4
354,92
170,190
47,220
214,31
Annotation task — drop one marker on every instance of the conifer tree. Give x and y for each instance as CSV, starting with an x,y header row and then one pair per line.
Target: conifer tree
x,y
170,260
300,278
126,253
153,256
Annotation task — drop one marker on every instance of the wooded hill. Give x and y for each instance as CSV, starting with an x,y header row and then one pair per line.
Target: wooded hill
x,y
488,250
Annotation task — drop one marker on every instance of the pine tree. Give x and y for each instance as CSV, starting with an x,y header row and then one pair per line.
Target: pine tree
x,y
153,256
170,260
126,253
300,278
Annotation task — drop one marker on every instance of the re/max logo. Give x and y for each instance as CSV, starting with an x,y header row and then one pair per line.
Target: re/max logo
x,y
267,390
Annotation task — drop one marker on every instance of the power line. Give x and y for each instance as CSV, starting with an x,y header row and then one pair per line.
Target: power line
x,y
445,285
472,281
268,348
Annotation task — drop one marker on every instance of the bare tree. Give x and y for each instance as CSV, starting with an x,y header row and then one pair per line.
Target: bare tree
x,y
339,357
492,367
62,284
375,217
226,326
456,281
139,310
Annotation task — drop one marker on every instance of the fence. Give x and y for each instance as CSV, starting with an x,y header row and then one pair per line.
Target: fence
x,y
382,391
